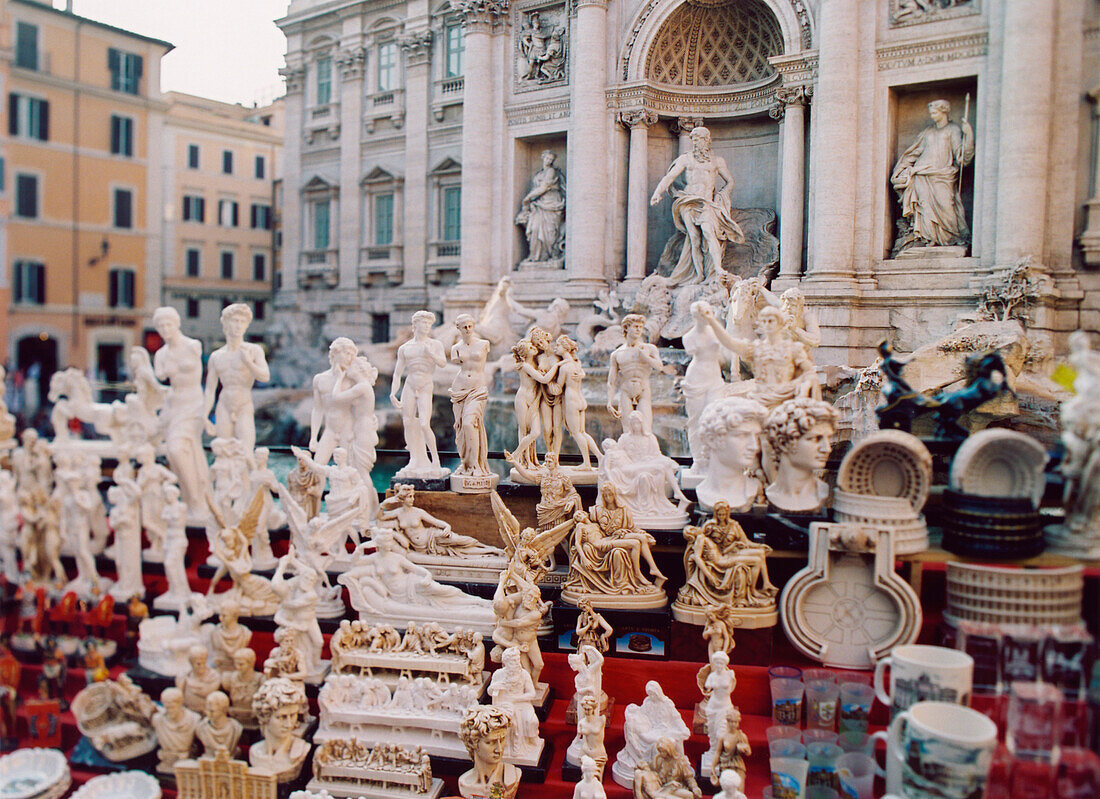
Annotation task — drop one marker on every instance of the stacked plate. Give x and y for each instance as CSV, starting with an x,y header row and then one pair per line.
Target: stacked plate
x,y
34,774
120,785
991,509
883,482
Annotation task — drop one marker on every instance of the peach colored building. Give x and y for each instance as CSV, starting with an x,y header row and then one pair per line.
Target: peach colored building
x,y
220,162
81,248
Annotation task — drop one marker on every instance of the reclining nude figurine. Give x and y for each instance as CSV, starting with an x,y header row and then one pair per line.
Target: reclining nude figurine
x,y
420,532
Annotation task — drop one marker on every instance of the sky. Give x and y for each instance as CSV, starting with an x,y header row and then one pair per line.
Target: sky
x,y
228,50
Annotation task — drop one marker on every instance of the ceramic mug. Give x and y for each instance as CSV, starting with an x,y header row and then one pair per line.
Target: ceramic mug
x,y
939,750
920,673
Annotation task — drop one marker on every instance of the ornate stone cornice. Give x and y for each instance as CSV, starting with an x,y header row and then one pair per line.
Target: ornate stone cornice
x,y
295,78
796,69
637,118
692,103
481,15
417,46
582,3
932,51
350,61
537,112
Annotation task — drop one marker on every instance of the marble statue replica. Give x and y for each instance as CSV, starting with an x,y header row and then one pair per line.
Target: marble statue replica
x,y
261,478
702,383
781,365
279,705
425,535
519,611
199,680
320,541
727,464
542,215
731,783
351,767
1079,535
152,480
587,666
424,650
484,732
165,641
724,568
179,362
241,684
76,504
469,395
250,592
285,659
228,636
173,549
40,537
542,49
350,506
7,421
591,784
718,700
606,558
668,775
229,475
629,371
9,528
343,408
297,612
927,179
646,724
236,366
589,741
800,433
175,726
125,519
304,484
701,211
420,356
513,691
731,750
718,629
592,629
218,731
530,551
643,477
137,417
385,586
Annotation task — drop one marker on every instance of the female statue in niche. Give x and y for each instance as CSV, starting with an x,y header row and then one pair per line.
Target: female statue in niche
x,y
542,214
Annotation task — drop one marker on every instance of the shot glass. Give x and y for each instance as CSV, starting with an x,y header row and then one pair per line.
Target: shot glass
x,y
856,742
778,731
787,747
856,699
822,757
784,673
821,704
821,792
789,776
787,701
1033,729
818,737
813,675
855,775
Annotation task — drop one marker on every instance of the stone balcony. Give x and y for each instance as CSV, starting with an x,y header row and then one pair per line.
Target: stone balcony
x,y
318,269
447,92
384,105
381,266
322,123
443,262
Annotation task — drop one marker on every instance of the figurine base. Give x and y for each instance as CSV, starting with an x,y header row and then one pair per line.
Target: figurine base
x,y
374,790
690,479
483,569
673,523
531,760
423,479
578,476
474,483
638,633
170,603
651,599
746,618
1062,540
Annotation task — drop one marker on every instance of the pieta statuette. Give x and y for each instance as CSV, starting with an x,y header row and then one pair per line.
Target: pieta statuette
x,y
646,724
643,477
668,775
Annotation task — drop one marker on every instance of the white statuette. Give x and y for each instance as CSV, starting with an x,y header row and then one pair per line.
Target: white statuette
x,y
417,360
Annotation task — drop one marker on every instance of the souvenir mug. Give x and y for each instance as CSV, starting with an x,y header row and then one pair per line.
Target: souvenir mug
x,y
939,750
920,673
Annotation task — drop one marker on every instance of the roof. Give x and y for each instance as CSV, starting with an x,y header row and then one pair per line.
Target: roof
x,y
44,6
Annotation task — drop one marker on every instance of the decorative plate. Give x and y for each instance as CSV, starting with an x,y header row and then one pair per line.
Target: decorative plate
x,y
27,773
1000,463
120,785
888,463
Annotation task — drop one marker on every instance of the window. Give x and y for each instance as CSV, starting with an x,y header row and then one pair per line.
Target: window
x,y
123,208
324,81
122,135
193,262
227,265
227,213
121,288
259,310
260,216
452,213
227,162
379,328
383,219
26,196
125,70
192,156
320,225
387,66
455,48
259,266
29,282
26,45
3,176
28,117
192,308
260,167
194,208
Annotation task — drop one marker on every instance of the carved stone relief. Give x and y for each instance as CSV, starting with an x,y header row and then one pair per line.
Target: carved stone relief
x,y
912,12
541,46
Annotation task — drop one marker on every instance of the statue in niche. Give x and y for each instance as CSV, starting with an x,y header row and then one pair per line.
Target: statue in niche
x,y
542,215
701,211
542,50
927,180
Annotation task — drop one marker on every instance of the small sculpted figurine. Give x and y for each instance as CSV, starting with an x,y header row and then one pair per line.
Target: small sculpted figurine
x,y
731,750
420,356
153,480
643,477
668,775
592,629
589,741
591,784
538,400
646,724
9,528
229,476
304,484
729,448
519,610
40,538
228,636
125,518
469,395
629,371
800,433
731,783
236,365
513,691
200,681
421,532
230,545
262,480
702,383
484,732
297,612
241,685
76,505
718,693
279,705
175,726
218,732
587,665
174,550
343,408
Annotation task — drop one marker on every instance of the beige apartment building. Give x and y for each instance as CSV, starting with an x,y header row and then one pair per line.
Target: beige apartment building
x,y
220,163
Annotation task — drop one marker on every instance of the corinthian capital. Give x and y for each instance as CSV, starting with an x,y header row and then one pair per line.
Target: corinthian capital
x,y
480,12
417,46
789,95
637,118
350,62
295,77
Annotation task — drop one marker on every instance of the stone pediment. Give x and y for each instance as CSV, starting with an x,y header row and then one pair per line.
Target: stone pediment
x,y
319,184
446,166
380,175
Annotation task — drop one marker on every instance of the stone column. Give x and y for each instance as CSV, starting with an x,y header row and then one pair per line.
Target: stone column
x,y
585,209
291,226
1025,114
836,143
479,17
414,232
349,63
682,127
637,191
790,110
1090,237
